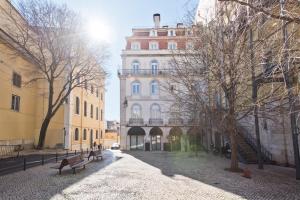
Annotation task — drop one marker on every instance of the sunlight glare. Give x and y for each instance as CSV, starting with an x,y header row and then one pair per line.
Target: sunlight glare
x,y
99,31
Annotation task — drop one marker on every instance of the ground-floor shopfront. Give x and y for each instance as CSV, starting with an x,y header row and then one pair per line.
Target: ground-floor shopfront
x,y
161,138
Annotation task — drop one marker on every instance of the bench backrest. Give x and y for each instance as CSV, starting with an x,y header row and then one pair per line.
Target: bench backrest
x,y
73,160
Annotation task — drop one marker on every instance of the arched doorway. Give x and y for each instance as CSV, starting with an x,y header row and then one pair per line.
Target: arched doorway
x,y
136,135
155,134
175,138
195,138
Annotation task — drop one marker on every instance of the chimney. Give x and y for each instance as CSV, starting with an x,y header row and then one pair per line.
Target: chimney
x,y
156,19
180,25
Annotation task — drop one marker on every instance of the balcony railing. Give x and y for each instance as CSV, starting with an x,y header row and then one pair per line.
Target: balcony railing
x,y
157,122
136,121
176,121
144,72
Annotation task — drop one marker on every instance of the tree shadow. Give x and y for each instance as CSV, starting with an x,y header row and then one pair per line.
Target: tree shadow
x,y
209,169
42,182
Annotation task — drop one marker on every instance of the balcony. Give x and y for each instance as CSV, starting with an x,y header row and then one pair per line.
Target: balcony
x,y
136,122
144,72
156,122
176,121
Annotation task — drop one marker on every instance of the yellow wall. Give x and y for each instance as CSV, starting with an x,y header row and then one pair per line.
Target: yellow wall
x,y
16,125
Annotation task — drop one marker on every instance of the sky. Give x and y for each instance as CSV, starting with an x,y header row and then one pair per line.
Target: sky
x,y
119,17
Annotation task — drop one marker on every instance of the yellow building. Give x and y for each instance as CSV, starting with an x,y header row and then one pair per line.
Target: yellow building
x,y
78,124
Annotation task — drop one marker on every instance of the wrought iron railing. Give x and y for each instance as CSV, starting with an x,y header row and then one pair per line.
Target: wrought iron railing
x,y
176,121
9,150
267,156
136,121
153,121
144,72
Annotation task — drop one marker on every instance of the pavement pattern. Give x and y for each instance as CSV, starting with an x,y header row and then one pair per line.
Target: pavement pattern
x,y
151,175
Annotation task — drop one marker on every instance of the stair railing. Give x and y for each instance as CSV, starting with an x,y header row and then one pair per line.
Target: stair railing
x,y
267,156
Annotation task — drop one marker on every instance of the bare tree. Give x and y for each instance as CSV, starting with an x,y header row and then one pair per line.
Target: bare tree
x,y
52,36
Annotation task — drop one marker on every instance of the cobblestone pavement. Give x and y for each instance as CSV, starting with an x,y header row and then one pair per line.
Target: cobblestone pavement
x,y
151,175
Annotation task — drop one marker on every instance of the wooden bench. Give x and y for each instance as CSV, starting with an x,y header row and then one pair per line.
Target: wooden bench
x,y
74,162
95,153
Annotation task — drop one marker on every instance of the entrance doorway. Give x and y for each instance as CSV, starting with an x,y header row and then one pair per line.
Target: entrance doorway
x,y
156,134
136,135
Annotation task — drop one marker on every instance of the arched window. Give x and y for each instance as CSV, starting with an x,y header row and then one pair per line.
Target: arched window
x,y
77,105
76,137
154,67
154,88
85,108
175,110
136,87
136,111
155,111
135,67
92,111
84,134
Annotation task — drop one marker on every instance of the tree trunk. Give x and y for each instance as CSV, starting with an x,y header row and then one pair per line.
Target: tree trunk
x,y
234,166
43,132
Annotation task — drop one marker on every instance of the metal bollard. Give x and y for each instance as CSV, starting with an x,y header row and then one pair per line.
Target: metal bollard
x,y
24,167
87,150
75,152
56,157
67,153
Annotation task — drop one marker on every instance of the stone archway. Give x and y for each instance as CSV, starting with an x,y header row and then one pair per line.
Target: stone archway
x,y
136,135
156,135
175,138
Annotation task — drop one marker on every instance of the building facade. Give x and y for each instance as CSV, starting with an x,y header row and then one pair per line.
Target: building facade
x,y
78,124
147,118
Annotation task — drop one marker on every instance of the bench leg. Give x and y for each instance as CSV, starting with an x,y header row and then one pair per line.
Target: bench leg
x,y
74,171
83,166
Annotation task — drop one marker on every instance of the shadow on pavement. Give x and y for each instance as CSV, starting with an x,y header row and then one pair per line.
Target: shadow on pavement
x,y
209,169
44,183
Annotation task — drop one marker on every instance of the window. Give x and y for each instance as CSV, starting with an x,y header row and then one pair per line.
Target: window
x,y
101,117
171,33
153,45
135,46
85,108
154,67
77,105
155,111
97,113
76,134
92,89
17,79
97,134
172,45
15,103
153,33
136,111
154,88
136,88
92,111
101,134
135,67
84,134
189,45
97,92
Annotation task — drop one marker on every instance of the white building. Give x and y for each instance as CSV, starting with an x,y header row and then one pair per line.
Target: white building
x,y
146,106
